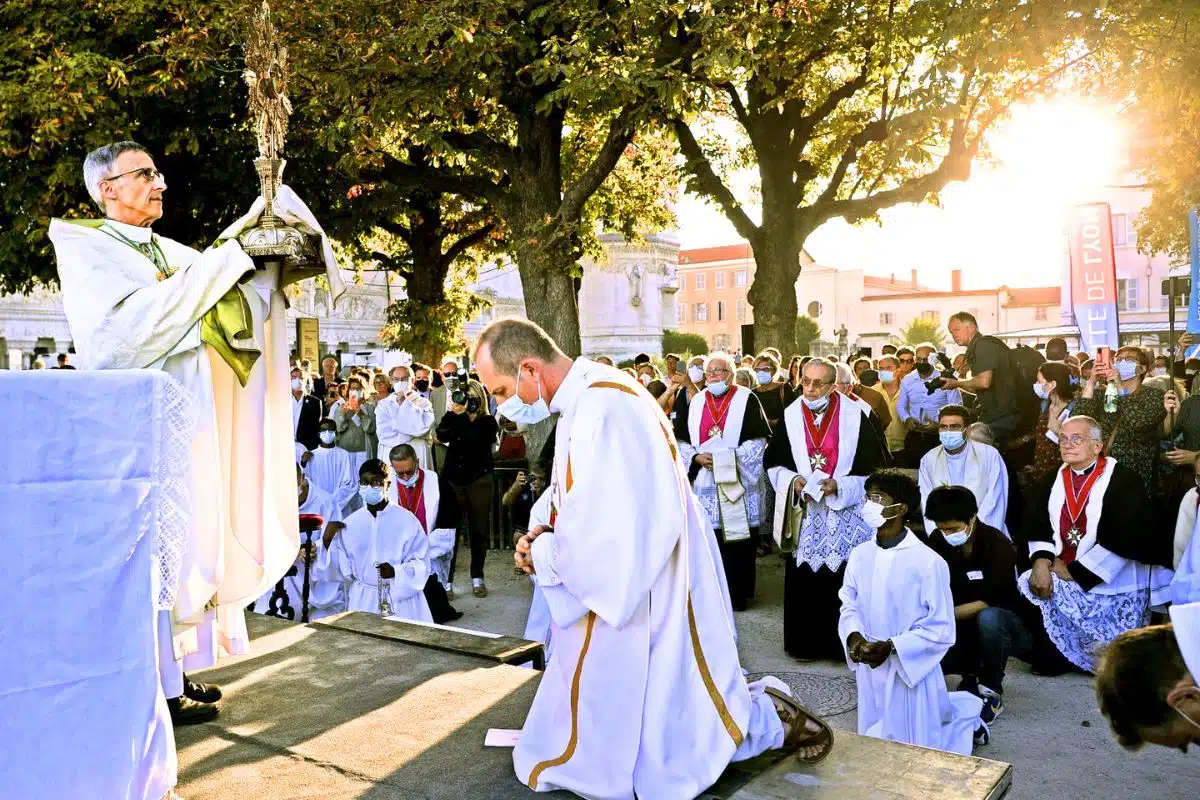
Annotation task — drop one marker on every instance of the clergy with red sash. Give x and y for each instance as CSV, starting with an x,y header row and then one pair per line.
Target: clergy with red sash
x,y
1094,574
431,499
817,462
722,434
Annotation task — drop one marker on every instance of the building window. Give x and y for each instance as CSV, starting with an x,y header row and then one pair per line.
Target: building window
x,y
680,313
700,312
741,310
739,279
814,309
1181,301
699,281
1039,314
1127,294
933,315
682,282
887,318
719,283
720,309
1124,234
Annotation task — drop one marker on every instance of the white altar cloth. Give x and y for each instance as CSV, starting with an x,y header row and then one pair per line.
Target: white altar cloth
x,y
92,487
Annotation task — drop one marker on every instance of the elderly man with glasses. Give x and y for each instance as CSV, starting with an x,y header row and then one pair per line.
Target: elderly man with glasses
x,y
1094,574
817,462
137,300
722,434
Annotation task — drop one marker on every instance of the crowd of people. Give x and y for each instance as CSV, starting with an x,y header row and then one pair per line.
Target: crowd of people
x,y
1041,506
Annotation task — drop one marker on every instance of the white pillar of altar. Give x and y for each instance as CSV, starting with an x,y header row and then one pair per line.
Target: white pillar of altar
x,y
628,297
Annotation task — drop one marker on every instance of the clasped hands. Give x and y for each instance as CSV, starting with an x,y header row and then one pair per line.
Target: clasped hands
x,y
870,653
523,556
828,486
1039,578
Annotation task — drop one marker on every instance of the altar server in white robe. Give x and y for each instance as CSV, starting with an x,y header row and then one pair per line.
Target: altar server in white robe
x,y
958,461
722,435
137,300
817,462
404,417
329,468
431,499
1094,572
897,623
645,693
325,597
380,545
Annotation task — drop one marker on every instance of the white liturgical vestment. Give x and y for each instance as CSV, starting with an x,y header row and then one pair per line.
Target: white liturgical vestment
x,y
393,536
325,596
644,693
407,422
903,593
980,468
330,469
123,315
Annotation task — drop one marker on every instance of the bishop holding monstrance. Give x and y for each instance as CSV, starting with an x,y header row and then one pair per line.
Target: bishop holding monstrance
x,y
215,322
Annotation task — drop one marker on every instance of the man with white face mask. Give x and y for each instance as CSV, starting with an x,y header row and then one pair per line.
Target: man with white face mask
x,y
957,461
818,460
645,694
403,417
722,435
329,468
897,624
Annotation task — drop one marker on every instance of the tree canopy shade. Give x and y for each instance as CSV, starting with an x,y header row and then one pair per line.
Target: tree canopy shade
x,y
1149,60
846,108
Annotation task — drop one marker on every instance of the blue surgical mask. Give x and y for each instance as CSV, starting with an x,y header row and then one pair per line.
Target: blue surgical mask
x,y
818,405
371,495
517,410
957,539
886,376
951,440
763,376
327,437
1041,391
719,388
1127,369
410,481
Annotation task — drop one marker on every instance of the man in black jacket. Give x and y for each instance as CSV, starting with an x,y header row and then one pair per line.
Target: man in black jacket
x,y
1097,566
306,413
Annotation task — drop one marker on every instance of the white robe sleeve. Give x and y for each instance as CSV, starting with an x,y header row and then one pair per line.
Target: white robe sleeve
x,y
412,420
565,609
994,505
121,322
851,489
386,429
441,542
922,647
617,450
926,485
850,620
408,553
333,563
750,462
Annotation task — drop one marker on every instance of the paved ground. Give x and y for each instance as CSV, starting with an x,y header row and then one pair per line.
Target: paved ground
x,y
1051,731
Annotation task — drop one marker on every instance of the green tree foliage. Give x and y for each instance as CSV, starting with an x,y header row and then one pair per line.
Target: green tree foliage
x,y
683,343
1149,54
848,108
920,331
807,331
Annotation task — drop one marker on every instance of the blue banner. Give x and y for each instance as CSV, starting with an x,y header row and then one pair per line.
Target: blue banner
x,y
1193,321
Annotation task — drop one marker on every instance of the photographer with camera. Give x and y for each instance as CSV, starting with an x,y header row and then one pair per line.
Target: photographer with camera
x,y
993,378
922,395
469,432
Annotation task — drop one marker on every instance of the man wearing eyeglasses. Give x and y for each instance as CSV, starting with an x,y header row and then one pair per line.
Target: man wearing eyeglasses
x,y
136,300
722,434
1094,574
818,460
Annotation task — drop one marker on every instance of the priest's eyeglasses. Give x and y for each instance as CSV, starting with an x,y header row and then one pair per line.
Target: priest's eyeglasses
x,y
149,174
1074,440
812,383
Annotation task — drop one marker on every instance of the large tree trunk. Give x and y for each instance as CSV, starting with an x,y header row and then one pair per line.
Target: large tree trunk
x,y
550,293
773,293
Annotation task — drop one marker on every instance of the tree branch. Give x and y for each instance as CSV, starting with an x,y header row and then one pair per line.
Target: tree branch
x,y
400,174
709,184
395,229
477,142
739,108
620,134
874,131
466,243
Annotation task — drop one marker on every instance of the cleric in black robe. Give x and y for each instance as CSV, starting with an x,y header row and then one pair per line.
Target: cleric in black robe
x,y
827,440
722,435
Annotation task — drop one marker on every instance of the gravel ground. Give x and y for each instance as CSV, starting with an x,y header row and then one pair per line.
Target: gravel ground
x,y
1051,731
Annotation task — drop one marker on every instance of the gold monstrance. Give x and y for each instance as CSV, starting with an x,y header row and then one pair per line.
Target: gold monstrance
x,y
272,240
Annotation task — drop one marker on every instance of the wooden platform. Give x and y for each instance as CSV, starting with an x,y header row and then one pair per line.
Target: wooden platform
x,y
324,711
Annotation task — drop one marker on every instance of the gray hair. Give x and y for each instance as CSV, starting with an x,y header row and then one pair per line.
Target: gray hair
x,y
99,165
743,377
981,432
829,366
723,357
844,374
402,452
1094,430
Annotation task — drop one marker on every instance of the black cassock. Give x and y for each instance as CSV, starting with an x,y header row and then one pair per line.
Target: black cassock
x,y
738,557
810,597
